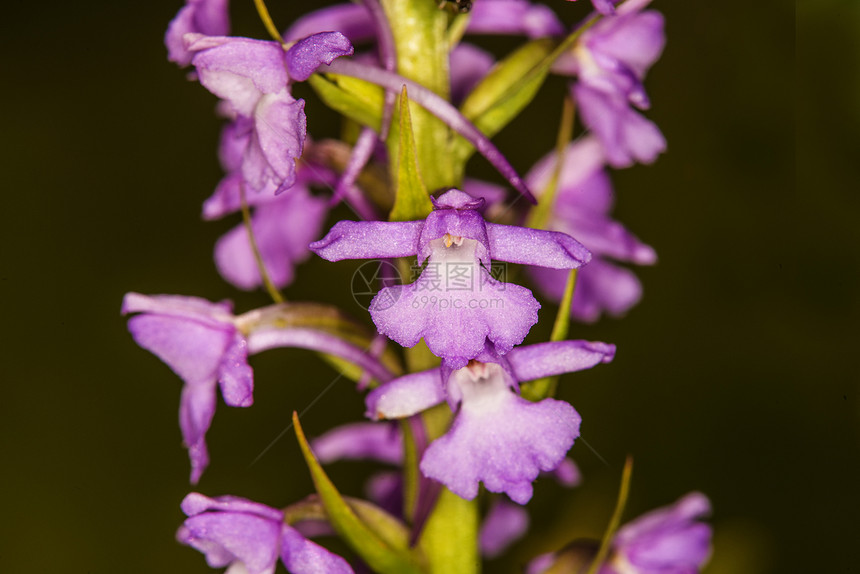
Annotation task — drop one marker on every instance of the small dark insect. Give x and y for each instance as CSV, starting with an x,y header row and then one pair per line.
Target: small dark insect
x,y
461,6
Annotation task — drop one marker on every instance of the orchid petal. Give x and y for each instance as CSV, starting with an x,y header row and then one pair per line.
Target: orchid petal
x,y
567,473
667,539
195,503
374,441
385,489
637,40
626,136
196,409
504,524
369,239
236,376
301,556
455,323
249,539
352,20
604,287
239,70
207,17
406,395
501,440
280,130
192,349
609,238
361,152
308,54
513,17
536,247
557,357
269,338
580,161
196,308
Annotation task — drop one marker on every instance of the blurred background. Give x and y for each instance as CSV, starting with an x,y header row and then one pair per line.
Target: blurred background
x,y
732,377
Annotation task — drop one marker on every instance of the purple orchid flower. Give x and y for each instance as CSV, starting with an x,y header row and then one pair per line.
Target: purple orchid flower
x,y
283,225
455,304
200,341
207,346
249,537
505,523
668,540
582,205
254,77
610,62
491,417
208,17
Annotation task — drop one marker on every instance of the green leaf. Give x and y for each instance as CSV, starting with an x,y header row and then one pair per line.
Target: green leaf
x,y
506,90
511,85
356,99
411,200
411,473
385,526
384,547
615,521
450,537
540,214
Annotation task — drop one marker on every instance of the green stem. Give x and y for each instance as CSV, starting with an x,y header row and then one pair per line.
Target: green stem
x,y
263,11
539,215
420,35
411,473
615,521
450,537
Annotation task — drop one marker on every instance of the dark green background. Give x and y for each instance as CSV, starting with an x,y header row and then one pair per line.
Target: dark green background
x,y
733,375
